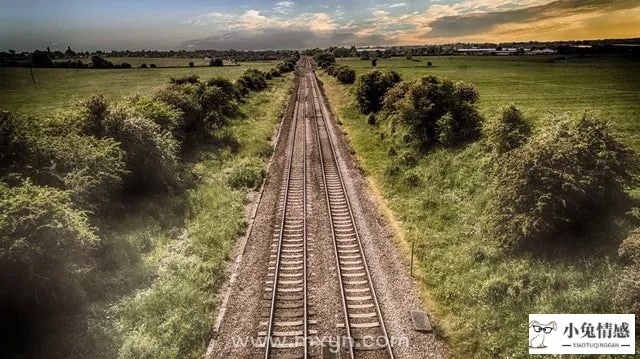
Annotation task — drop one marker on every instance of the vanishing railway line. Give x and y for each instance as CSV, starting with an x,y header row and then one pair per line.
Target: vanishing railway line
x,y
286,329
287,325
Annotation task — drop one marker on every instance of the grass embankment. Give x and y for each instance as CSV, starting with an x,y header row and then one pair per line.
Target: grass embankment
x,y
168,257
60,88
482,296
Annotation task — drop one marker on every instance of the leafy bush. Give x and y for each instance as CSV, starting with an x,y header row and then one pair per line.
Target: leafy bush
x,y
43,245
100,63
192,64
251,80
143,66
188,79
287,65
246,174
150,152
216,63
557,181
159,112
183,98
274,73
346,75
507,131
372,87
324,59
343,73
203,105
125,65
225,85
90,168
436,111
629,250
627,296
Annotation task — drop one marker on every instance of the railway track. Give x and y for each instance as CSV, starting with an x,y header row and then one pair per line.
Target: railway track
x,y
286,328
287,324
364,324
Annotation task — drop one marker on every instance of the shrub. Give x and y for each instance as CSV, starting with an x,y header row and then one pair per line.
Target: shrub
x,y
143,66
274,73
216,105
324,59
287,65
346,75
225,85
203,105
436,111
629,250
192,64
371,88
429,63
246,174
507,131
184,99
188,79
627,296
43,245
153,66
90,168
557,181
251,80
125,65
374,62
100,63
167,117
216,62
150,152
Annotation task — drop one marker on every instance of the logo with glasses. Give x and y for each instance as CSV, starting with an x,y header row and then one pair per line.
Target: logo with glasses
x,y
538,332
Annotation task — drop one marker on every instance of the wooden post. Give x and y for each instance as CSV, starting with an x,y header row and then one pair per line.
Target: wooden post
x,y
32,77
412,245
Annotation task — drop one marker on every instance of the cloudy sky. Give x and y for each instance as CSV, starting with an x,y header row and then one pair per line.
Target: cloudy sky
x,y
252,24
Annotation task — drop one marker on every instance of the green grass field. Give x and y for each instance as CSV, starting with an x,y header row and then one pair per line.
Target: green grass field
x,y
56,89
481,296
609,86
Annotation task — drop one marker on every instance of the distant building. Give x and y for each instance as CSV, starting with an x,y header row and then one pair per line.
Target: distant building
x,y
504,51
541,52
488,51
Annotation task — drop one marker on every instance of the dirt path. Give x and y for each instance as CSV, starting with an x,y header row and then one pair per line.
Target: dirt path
x,y
247,315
